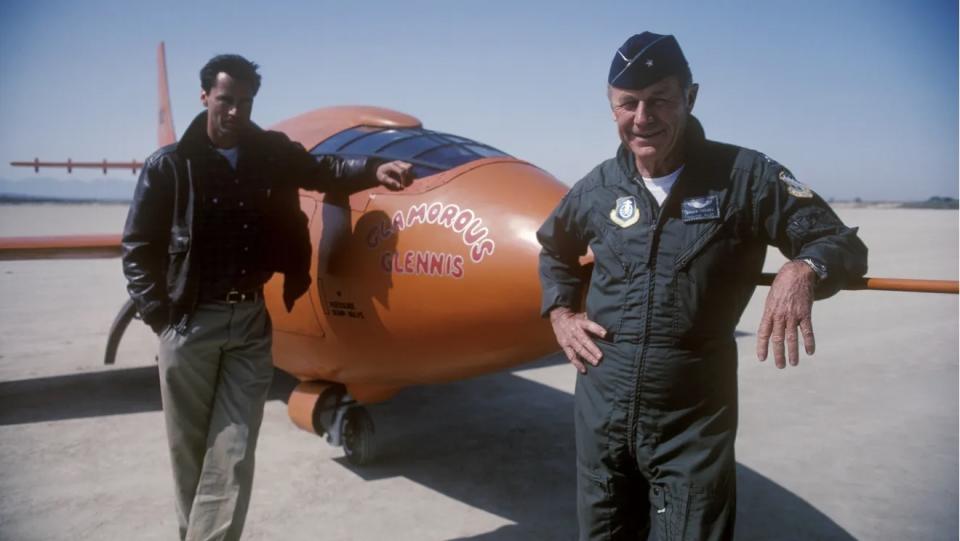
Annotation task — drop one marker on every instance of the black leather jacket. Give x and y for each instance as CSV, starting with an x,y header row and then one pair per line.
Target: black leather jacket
x,y
159,236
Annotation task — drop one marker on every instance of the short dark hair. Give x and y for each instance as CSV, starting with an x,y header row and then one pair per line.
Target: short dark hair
x,y
233,65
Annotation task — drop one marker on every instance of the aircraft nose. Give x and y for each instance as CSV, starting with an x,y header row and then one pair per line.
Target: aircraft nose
x,y
446,274
513,199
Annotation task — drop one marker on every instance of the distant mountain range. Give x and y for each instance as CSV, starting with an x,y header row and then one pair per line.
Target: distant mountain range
x,y
45,188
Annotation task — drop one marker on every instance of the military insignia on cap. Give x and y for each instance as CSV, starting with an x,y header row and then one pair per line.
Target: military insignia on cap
x,y
625,212
794,186
646,58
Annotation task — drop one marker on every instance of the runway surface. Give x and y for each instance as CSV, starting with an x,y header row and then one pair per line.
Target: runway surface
x,y
858,442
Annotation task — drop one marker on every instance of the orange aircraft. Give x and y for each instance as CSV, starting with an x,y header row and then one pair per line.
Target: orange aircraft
x,y
432,284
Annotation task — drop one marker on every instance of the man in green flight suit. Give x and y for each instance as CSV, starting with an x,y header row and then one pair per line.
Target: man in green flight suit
x,y
679,227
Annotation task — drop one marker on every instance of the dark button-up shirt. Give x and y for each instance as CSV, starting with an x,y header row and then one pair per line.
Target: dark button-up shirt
x,y
231,235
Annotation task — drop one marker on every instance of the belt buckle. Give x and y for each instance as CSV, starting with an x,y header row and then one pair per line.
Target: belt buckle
x,y
234,296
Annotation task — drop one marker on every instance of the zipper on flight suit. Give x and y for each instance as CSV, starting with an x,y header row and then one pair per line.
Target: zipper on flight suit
x,y
634,412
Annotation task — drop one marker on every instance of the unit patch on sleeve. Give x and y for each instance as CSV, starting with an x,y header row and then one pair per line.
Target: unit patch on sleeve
x,y
625,212
794,186
699,209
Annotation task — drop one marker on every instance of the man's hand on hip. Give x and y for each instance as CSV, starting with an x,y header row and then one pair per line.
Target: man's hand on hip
x,y
571,329
395,175
788,306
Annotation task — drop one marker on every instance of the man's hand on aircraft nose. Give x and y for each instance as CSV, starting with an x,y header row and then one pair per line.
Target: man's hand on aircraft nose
x,y
571,329
395,175
788,306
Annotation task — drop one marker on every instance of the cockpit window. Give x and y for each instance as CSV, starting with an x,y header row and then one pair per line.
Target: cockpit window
x,y
429,151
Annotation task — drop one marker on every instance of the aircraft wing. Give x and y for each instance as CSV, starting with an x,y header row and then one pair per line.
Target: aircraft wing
x,y
60,247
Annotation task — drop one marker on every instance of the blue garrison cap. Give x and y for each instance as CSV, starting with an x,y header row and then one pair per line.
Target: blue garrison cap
x,y
645,59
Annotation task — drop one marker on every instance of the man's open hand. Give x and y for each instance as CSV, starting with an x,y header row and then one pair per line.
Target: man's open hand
x,y
395,175
788,306
571,329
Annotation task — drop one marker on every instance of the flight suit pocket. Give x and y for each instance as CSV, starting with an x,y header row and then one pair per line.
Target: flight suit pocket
x,y
703,238
707,273
596,506
669,513
607,241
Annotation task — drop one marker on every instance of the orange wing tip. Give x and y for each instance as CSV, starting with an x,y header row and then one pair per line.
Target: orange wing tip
x,y
950,287
904,284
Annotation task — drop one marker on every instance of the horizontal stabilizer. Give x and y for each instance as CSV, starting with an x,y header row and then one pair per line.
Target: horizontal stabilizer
x,y
70,165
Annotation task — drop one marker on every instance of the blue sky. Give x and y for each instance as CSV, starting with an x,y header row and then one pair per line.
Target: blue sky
x,y
858,98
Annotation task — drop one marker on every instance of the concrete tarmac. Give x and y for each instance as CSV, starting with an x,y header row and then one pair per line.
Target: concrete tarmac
x,y
858,442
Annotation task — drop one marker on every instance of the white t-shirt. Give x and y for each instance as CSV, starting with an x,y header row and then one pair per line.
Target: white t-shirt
x,y
231,155
660,186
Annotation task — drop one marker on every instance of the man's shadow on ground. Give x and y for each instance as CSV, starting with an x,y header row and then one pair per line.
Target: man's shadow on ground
x,y
500,443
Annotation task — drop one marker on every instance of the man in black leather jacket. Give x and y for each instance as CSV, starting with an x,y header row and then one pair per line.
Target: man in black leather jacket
x,y
679,227
213,217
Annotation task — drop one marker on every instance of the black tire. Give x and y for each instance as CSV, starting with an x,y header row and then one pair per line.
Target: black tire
x,y
357,433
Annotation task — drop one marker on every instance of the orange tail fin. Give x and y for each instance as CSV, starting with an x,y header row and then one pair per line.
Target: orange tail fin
x,y
165,132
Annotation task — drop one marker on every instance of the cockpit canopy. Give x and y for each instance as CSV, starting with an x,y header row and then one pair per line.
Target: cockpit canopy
x,y
429,151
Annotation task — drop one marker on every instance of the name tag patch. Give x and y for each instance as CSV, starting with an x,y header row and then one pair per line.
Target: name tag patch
x,y
625,213
699,209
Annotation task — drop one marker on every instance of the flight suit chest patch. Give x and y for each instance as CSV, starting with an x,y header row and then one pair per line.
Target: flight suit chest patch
x,y
700,209
625,212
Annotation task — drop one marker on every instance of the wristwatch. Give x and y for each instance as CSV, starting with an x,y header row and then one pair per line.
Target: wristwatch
x,y
818,268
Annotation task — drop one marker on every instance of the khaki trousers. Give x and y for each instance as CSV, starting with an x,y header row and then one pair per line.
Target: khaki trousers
x,y
214,379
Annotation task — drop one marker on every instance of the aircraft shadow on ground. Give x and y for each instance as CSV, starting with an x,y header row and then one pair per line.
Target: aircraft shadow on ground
x,y
500,443
505,444
94,394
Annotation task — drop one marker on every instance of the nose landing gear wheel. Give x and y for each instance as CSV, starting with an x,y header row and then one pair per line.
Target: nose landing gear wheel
x,y
356,429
